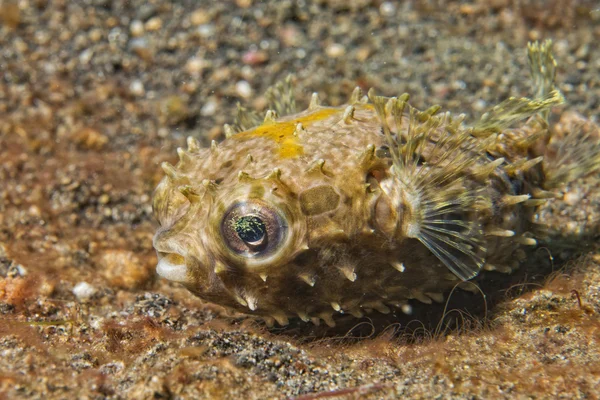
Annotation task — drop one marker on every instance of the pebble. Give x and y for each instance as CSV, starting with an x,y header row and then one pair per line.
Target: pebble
x,y
136,28
362,53
480,105
123,269
189,87
291,36
199,17
247,72
90,139
206,30
573,228
136,87
154,24
138,43
84,291
95,35
209,108
174,109
335,50
243,89
35,211
243,3
104,199
387,9
195,65
403,32
255,57
86,56
10,15
572,197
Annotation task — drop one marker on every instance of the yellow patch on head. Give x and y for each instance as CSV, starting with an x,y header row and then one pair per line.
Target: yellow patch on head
x,y
283,132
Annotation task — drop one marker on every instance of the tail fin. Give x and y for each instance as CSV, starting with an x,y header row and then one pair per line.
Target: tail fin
x,y
573,147
572,152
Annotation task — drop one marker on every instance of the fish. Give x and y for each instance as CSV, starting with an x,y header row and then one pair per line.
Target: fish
x,y
370,205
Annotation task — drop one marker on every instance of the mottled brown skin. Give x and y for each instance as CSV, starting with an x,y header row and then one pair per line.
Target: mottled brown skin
x,y
363,207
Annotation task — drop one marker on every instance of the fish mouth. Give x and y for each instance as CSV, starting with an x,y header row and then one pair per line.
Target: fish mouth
x,y
172,267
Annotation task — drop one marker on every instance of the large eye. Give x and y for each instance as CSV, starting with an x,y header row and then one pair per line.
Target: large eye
x,y
253,229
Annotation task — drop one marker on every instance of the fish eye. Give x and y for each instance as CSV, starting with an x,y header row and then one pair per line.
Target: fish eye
x,y
253,229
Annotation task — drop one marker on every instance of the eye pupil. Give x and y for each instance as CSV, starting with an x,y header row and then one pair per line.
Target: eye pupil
x,y
253,230
250,229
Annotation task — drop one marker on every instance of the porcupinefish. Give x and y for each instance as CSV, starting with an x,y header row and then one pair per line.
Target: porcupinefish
x,y
361,207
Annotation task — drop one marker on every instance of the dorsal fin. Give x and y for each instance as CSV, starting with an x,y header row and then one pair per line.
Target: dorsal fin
x,y
281,97
543,70
246,119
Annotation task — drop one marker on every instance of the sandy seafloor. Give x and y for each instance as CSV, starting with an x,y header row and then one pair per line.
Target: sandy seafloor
x,y
94,94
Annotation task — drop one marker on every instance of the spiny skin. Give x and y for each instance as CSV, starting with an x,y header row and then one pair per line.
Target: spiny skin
x,y
353,208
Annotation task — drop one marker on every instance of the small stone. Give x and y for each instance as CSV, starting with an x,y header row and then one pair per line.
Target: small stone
x,y
206,30
403,31
468,9
90,139
243,3
136,28
154,24
583,51
174,109
209,108
291,36
14,290
534,35
195,65
124,269
243,89
140,47
406,309
46,287
137,88
480,105
189,87
84,291
86,56
10,15
362,53
247,73
255,57
199,17
572,198
335,50
35,211
573,228
387,9
95,35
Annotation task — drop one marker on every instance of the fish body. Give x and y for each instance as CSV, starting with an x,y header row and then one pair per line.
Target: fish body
x,y
361,207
